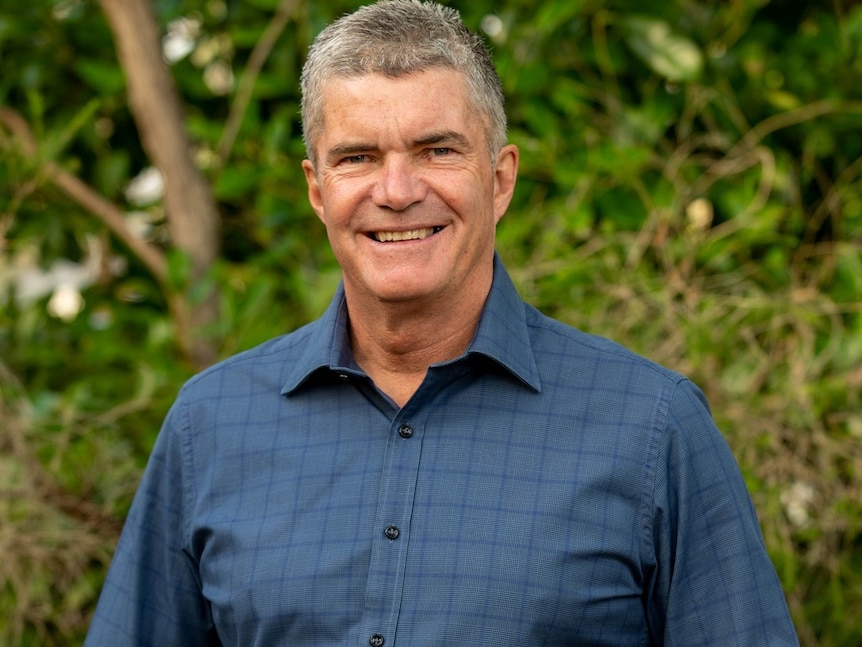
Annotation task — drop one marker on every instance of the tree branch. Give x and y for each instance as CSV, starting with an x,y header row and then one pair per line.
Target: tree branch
x,y
259,54
87,197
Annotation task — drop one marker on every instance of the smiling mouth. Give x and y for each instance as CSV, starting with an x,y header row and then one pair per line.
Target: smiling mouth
x,y
398,236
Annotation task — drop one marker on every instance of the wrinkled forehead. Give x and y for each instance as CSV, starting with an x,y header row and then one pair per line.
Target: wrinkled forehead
x,y
332,88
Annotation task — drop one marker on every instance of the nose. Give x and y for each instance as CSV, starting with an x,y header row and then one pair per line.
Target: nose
x,y
398,184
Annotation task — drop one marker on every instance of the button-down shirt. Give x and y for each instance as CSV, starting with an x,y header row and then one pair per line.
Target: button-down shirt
x,y
548,487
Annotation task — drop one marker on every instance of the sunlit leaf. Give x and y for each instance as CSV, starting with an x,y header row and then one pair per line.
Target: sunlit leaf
x,y
669,54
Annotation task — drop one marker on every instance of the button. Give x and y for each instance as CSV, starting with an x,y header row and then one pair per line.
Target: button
x,y
405,431
392,532
376,640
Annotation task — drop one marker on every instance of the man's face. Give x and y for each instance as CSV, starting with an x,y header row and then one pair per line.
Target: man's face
x,y
405,187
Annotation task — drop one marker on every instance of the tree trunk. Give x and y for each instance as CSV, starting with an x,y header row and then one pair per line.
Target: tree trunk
x,y
191,210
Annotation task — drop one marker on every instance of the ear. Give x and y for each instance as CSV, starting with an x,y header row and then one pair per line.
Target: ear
x,y
505,175
314,195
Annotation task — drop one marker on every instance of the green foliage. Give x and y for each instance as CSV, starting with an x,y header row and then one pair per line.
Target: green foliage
x,y
690,187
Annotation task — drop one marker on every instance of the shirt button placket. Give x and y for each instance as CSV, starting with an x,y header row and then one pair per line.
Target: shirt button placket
x,y
388,563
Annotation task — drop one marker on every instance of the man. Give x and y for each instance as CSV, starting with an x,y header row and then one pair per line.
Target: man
x,y
433,462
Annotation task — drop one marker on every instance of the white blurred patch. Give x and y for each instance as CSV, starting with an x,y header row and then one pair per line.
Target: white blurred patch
x,y
699,213
218,77
146,187
180,40
798,501
495,28
66,302
63,280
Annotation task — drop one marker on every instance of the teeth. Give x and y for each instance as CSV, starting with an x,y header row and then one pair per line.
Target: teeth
x,y
413,234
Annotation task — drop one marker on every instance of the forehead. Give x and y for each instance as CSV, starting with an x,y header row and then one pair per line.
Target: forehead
x,y
429,99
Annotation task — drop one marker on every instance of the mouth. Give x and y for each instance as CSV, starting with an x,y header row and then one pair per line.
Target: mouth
x,y
400,236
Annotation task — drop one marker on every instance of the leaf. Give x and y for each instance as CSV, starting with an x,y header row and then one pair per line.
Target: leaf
x,y
670,55
112,172
105,78
783,100
236,181
553,15
58,141
179,269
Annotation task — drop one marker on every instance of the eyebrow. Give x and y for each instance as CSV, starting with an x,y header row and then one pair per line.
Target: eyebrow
x,y
341,151
442,137
346,150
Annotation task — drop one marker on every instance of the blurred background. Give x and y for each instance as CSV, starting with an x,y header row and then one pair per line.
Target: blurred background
x,y
691,187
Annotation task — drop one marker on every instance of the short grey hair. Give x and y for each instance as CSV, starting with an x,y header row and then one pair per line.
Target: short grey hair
x,y
397,37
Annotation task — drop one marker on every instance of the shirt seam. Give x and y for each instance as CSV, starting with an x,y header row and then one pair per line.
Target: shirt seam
x,y
577,336
187,475
659,435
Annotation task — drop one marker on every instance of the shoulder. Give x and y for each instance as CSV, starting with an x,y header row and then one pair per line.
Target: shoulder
x,y
267,364
633,395
561,347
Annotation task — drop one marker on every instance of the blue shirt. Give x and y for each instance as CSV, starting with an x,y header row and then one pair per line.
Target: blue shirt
x,y
546,488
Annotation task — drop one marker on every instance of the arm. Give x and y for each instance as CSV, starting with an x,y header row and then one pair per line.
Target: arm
x,y
152,594
713,582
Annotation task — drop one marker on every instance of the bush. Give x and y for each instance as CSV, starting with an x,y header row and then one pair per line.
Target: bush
x,y
690,187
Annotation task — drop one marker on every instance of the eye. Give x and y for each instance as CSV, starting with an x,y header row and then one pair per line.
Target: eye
x,y
440,151
355,159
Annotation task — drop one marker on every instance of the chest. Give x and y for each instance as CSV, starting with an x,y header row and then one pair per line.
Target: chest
x,y
428,528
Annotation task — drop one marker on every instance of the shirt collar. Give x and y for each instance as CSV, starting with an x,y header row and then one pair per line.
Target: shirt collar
x,y
502,336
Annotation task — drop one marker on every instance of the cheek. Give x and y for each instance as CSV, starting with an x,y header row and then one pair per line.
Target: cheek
x,y
341,199
328,208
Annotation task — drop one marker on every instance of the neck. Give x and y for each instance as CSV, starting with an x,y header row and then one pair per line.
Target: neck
x,y
395,343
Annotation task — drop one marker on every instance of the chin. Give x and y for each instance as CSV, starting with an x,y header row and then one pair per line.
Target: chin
x,y
401,292
402,296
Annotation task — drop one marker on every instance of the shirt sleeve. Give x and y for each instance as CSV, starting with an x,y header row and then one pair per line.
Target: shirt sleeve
x,y
713,582
152,594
